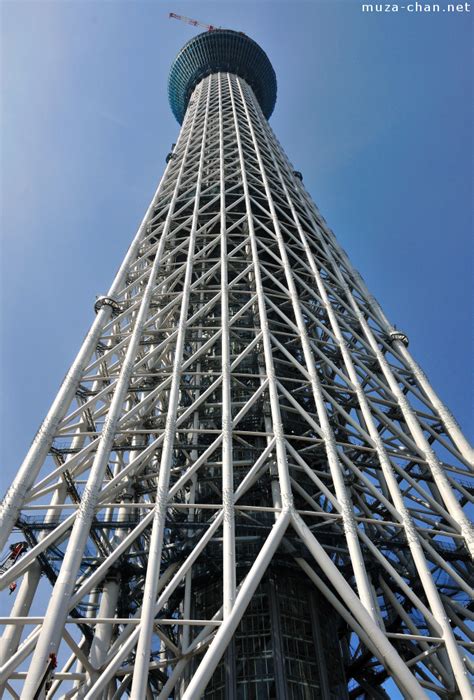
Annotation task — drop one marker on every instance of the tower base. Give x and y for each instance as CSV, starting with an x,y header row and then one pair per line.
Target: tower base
x,y
289,645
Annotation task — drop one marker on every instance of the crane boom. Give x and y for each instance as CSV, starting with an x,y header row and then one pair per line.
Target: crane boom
x,y
193,22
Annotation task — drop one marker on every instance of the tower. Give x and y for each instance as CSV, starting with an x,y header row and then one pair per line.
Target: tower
x,y
246,487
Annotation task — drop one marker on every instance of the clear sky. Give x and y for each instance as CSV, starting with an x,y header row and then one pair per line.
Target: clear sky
x,y
375,110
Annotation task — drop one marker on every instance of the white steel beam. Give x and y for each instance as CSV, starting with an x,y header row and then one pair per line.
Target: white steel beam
x,y
241,409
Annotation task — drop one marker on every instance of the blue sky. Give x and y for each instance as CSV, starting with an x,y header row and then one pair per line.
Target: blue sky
x,y
375,110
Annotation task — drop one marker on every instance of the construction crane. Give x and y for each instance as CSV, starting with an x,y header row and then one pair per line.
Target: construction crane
x,y
193,22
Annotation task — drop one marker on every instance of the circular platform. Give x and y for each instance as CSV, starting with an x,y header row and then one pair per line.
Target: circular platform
x,y
221,50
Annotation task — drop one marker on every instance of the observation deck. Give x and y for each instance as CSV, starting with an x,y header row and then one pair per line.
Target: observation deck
x,y
221,50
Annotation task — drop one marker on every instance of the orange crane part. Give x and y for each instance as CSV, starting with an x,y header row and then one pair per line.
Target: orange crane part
x,y
193,22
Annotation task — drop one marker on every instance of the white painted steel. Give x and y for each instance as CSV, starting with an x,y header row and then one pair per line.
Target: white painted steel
x,y
140,676
247,353
213,655
42,441
386,651
228,549
350,527
402,511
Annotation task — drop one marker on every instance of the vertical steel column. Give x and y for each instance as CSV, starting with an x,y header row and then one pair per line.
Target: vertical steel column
x,y
350,527
247,375
50,636
439,476
227,466
224,634
449,422
385,651
392,483
142,658
277,641
282,464
41,444
12,635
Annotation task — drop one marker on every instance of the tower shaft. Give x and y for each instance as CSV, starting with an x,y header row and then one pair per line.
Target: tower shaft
x,y
246,487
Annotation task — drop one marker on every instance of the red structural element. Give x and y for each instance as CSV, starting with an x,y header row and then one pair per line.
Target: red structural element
x,y
193,22
16,550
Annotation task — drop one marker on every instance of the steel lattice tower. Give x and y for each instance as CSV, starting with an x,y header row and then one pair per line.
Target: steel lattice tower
x,y
246,487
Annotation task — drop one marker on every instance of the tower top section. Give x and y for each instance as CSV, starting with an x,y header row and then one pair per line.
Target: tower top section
x,y
221,50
